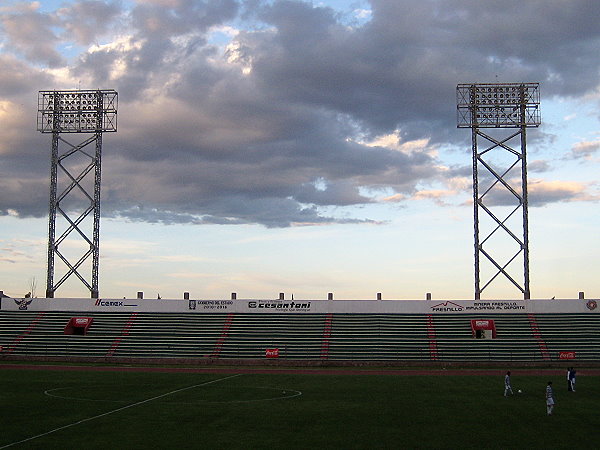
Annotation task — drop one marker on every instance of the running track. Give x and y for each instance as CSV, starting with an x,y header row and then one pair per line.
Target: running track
x,y
303,371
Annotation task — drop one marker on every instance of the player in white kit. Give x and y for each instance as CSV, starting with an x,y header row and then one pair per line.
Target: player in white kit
x,y
507,387
549,398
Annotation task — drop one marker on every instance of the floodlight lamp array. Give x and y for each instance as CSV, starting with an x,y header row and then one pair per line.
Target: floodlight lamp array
x,y
489,105
77,111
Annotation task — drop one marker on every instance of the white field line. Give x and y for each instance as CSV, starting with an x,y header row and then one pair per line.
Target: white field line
x,y
286,397
50,393
119,409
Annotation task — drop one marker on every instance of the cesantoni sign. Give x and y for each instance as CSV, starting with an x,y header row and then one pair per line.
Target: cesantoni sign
x,y
281,305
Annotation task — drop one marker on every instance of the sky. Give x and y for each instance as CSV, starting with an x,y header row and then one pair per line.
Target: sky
x,y
300,147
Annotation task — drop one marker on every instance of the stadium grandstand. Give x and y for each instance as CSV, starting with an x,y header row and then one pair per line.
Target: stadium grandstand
x,y
300,330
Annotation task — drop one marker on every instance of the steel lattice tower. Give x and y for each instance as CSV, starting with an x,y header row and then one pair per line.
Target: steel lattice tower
x,y
75,175
500,175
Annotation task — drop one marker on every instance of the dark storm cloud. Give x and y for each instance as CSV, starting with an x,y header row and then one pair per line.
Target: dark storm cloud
x,y
271,130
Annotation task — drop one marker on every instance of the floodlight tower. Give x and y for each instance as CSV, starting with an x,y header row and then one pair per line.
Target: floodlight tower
x,y
502,158
78,197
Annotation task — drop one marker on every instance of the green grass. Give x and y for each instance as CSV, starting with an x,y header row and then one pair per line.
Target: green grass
x,y
265,411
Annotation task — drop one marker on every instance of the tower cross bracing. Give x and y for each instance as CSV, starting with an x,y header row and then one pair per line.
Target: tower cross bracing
x,y
75,176
499,115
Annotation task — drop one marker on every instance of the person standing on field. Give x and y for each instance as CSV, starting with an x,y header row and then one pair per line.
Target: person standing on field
x,y
549,398
572,378
507,387
569,387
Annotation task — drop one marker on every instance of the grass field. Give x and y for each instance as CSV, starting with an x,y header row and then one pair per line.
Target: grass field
x,y
111,410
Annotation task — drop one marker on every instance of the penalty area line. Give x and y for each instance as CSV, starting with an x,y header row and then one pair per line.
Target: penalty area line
x,y
118,409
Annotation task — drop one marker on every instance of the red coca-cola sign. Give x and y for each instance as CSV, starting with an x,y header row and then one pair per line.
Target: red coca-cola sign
x,y
272,353
566,355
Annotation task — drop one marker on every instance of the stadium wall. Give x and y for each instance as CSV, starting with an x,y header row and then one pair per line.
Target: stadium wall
x,y
199,306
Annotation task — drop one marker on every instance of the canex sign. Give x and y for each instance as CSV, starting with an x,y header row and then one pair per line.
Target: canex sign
x,y
112,303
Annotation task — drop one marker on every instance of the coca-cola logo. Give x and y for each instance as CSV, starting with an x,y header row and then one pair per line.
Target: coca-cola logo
x,y
272,353
566,355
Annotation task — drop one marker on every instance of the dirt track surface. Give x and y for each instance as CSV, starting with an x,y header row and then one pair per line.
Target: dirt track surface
x,y
302,371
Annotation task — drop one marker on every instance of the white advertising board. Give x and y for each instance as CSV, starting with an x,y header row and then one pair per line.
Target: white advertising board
x,y
302,306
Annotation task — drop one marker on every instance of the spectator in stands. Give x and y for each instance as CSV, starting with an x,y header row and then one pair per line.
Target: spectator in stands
x,y
572,378
549,399
507,387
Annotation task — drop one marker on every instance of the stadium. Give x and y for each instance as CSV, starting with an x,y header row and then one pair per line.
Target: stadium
x,y
301,331
277,373
301,373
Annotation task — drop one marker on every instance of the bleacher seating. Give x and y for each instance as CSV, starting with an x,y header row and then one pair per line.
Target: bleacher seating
x,y
297,336
379,336
579,333
156,335
385,337
42,334
514,341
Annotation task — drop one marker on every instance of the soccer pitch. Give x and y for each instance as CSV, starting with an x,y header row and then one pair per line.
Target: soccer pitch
x,y
141,410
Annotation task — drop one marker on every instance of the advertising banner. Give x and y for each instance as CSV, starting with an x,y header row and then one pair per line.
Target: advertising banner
x,y
270,306
566,355
272,353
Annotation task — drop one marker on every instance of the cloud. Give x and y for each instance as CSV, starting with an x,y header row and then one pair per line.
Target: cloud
x,y
15,251
30,33
292,117
17,78
584,150
538,166
86,21
543,192
341,193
